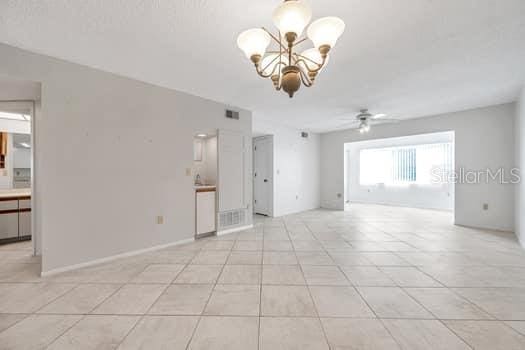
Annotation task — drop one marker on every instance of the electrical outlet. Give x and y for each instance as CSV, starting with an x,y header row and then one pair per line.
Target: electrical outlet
x,y
160,220
485,206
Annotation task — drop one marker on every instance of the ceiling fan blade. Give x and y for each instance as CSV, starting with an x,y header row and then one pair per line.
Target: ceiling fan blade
x,y
385,120
378,116
349,120
349,125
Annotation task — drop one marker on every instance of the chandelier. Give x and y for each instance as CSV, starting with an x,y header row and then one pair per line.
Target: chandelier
x,y
287,68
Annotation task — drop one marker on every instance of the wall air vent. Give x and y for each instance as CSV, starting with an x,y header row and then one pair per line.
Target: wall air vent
x,y
232,114
304,134
231,218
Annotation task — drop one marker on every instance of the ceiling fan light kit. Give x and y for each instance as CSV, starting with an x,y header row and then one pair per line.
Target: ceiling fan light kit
x,y
287,68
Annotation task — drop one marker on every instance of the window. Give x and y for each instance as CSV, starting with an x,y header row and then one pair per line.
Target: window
x,y
414,164
15,116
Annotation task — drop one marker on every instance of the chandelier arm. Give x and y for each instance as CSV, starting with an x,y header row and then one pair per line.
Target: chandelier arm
x,y
307,58
300,41
306,81
262,75
295,61
278,41
272,61
261,72
282,52
316,70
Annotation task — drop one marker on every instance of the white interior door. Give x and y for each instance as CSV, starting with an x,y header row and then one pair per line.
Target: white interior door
x,y
262,175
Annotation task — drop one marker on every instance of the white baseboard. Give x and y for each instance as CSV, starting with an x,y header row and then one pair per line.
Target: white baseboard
x,y
113,257
235,229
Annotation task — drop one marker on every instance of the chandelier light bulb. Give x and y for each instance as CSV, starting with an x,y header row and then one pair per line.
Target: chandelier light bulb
x,y
292,16
253,42
325,31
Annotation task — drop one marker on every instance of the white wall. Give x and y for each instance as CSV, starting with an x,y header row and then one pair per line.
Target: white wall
x,y
413,195
99,187
520,163
484,138
296,167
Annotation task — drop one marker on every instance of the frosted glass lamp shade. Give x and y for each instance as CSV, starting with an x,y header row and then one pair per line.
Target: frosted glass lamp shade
x,y
312,55
253,42
292,17
326,31
270,62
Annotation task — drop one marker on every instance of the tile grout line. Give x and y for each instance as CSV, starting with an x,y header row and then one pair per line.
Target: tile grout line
x,y
65,331
328,251
457,335
435,317
142,316
208,299
318,318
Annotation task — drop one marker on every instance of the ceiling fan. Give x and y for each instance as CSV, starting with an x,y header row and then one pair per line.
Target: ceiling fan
x,y
365,119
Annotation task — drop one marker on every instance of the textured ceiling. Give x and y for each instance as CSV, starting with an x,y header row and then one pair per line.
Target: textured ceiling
x,y
407,58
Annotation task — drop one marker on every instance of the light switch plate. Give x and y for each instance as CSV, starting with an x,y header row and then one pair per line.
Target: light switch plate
x,y
188,171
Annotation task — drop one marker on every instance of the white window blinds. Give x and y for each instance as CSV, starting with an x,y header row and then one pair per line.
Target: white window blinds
x,y
414,164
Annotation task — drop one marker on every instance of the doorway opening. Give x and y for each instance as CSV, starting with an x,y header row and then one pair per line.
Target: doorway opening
x,y
205,171
19,236
263,175
410,171
15,179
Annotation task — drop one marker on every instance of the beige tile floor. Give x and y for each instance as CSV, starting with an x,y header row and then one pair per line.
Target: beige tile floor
x,y
373,277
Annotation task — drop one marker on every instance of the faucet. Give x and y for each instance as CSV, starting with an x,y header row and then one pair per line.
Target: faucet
x,y
198,180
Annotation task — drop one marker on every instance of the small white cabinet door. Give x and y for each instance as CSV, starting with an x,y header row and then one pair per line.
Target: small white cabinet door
x,y
205,212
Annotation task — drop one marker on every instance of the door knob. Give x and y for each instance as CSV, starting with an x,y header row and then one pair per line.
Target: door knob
x,y
265,180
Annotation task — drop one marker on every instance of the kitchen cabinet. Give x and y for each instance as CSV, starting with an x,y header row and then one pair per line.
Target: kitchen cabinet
x,y
24,225
15,217
205,212
9,226
3,149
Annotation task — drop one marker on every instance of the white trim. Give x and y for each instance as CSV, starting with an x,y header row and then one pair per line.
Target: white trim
x,y
113,257
397,205
235,229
